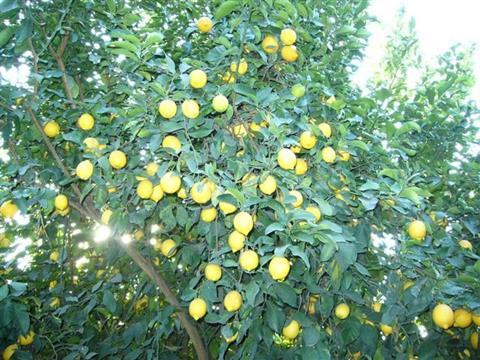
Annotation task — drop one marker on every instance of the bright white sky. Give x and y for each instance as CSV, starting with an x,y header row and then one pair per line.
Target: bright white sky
x,y
440,24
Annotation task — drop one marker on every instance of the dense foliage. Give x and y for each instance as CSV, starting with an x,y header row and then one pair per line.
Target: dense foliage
x,y
94,275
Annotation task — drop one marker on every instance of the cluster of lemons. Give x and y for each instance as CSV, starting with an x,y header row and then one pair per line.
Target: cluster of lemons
x,y
23,340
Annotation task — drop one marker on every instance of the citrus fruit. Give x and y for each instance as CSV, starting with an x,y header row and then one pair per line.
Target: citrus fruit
x,y
204,24
168,248
157,193
298,90
287,159
170,183
243,223
91,144
86,122
474,340
167,108
9,351
213,272
106,215
197,308
417,230
377,307
343,155
54,256
298,198
465,244
8,209
220,103
301,167
27,339
208,215
84,170
279,267
325,129
51,129
386,329
242,67
268,186
308,140
144,189
198,79
292,330
270,44
315,211
190,109
201,193
443,316
236,241
342,311
172,142
152,169
248,260
61,202
232,301
288,36
289,53
328,155
117,159
462,318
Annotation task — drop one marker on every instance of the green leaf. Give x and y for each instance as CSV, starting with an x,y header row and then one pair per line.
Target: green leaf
x,y
410,194
109,301
6,35
407,127
226,8
7,5
3,292
275,317
310,336
285,293
123,44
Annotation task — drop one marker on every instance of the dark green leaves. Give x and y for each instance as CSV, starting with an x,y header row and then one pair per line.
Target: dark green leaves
x,y
226,8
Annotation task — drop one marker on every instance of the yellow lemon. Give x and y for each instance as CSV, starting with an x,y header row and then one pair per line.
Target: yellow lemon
x,y
296,149
343,155
220,103
417,230
208,214
242,67
197,308
157,193
312,300
465,244
342,311
211,185
315,211
443,316
201,193
8,209
269,185
106,215
170,183
172,142
239,130
325,129
232,301
386,329
301,167
248,260
462,318
27,339
117,159
204,24
287,159
198,79
52,284
279,267
255,127
474,340
288,36
328,155
64,212
84,170
51,129
91,144
145,189
4,241
168,248
476,319
289,53
182,193
243,223
228,77
86,122
292,330
167,108
54,256
298,198
226,207
152,169
236,241
308,140
213,272
9,351
190,109
55,302
377,307
61,202
270,44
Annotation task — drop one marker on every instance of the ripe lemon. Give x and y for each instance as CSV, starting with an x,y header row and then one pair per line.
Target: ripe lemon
x,y
228,77
465,244
248,260
152,169
117,159
301,167
51,129
386,329
289,53
197,308
315,211
417,230
220,103
198,79
27,339
342,311
243,223
232,301
201,193
325,129
106,215
377,307
170,183
270,44
84,170
308,140
145,189
292,330
190,109
298,90
54,256
328,155
211,185
239,130
9,351
167,108
288,36
236,241
172,142
242,67
343,155
55,302
182,193
168,248
462,318
286,158
52,284
213,272
443,316
86,122
269,185
8,209
296,149
226,207
61,202
279,267
476,319
208,214
298,198
474,340
64,212
204,24
91,144
312,300
157,193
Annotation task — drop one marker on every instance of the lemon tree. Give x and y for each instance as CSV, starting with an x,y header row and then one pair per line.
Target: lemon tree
x,y
203,180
